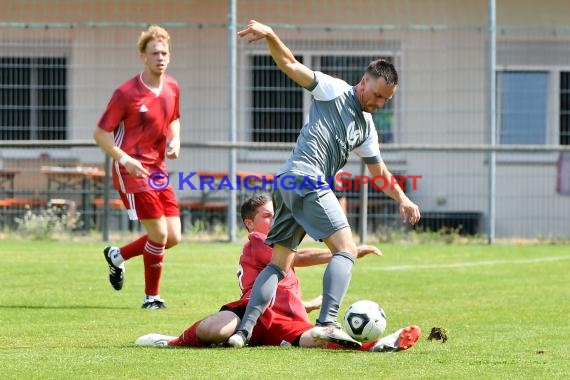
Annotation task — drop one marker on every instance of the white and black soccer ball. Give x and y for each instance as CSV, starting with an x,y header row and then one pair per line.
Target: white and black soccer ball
x,y
365,321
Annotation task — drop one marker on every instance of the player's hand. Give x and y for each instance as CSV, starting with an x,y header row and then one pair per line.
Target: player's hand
x,y
409,212
363,250
255,31
313,304
173,149
135,168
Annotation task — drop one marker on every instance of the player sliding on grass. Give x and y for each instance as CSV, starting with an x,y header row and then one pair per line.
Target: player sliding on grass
x,y
339,122
286,321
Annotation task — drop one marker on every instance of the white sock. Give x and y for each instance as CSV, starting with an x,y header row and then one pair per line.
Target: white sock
x,y
116,258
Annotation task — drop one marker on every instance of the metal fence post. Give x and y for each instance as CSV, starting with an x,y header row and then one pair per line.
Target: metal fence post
x,y
363,217
491,120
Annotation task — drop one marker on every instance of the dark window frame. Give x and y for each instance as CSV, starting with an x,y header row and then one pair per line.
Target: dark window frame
x,y
33,98
564,123
277,108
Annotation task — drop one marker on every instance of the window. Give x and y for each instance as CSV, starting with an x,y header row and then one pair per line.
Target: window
x,y
523,99
277,102
564,108
33,98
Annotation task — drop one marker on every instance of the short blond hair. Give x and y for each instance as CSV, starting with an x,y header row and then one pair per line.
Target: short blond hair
x,y
154,32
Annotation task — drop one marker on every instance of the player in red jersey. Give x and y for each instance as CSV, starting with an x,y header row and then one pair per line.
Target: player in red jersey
x,y
138,129
286,321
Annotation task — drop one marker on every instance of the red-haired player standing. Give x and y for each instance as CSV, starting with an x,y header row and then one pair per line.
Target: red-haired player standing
x,y
138,129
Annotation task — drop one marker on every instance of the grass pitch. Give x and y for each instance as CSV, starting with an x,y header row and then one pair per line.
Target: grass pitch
x,y
506,309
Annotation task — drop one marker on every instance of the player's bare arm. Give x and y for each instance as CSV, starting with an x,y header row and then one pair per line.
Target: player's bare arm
x,y
314,256
173,140
409,211
283,57
106,141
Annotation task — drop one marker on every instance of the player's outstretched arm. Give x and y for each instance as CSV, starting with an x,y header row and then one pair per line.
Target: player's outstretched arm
x,y
314,256
283,57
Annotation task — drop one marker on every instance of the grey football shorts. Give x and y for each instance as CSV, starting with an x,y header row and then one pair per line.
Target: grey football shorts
x,y
314,210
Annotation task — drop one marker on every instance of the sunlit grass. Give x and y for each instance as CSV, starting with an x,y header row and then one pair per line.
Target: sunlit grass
x,y
506,309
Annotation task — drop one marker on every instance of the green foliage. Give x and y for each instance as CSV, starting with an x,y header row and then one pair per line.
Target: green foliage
x,y
445,235
505,308
51,223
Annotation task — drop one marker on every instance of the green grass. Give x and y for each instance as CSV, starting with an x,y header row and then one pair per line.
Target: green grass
x,y
506,309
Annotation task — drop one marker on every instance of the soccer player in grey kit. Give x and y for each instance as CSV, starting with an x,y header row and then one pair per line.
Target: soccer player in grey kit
x,y
339,122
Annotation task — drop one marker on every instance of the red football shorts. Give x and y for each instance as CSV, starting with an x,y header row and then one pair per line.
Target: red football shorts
x,y
150,204
271,329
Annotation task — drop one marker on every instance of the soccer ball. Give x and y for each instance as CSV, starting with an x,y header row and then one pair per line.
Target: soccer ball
x,y
365,321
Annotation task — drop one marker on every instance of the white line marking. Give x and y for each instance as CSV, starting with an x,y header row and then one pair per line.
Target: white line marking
x,y
472,264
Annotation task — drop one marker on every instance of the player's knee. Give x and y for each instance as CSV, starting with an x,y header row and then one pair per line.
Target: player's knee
x,y
209,333
158,237
345,255
203,331
348,249
173,239
342,241
353,251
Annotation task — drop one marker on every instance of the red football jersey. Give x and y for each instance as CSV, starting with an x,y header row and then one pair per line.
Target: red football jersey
x,y
139,119
254,257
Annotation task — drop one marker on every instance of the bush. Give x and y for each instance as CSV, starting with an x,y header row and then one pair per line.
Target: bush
x,y
52,223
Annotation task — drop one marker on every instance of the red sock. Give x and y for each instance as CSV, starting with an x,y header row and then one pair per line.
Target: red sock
x,y
153,255
134,248
189,338
365,346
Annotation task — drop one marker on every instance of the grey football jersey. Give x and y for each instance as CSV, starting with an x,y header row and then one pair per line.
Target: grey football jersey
x,y
335,127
